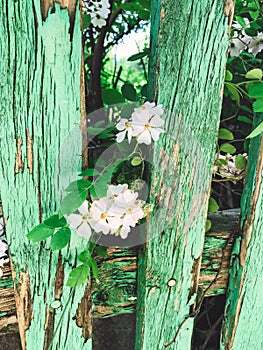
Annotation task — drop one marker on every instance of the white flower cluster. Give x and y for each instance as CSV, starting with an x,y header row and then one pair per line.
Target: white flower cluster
x,y
145,124
227,166
3,248
99,11
114,214
241,41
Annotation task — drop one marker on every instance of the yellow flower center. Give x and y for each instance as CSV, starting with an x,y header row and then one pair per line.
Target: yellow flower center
x,y
129,211
127,125
143,107
103,216
147,126
84,218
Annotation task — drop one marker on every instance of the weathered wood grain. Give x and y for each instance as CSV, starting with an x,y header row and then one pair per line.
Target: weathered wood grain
x,y
40,104
243,319
192,43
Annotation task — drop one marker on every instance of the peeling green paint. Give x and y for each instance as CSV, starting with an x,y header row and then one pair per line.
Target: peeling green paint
x,y
40,104
242,326
192,54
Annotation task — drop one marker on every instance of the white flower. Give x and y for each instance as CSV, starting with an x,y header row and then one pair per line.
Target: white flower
x,y
97,21
1,223
237,45
99,11
144,124
132,215
126,126
80,221
3,261
101,221
124,232
125,198
146,129
115,190
148,109
127,208
3,248
256,44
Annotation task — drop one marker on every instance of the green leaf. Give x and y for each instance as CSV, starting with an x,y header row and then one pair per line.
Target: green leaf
x,y
84,256
55,221
233,91
99,123
86,20
129,92
228,76
258,105
246,108
60,239
240,162
256,91
256,132
94,131
72,202
212,205
144,14
102,251
112,96
94,267
255,25
139,55
144,90
208,225
254,74
40,233
251,31
136,161
225,134
254,14
78,185
131,6
89,172
99,189
100,163
244,119
241,21
227,148
146,4
78,275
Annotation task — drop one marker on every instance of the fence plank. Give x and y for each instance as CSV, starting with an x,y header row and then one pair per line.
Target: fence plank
x,y
192,50
40,104
243,319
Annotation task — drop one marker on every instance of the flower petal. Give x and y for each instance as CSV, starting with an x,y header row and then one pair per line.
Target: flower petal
x,y
155,133
121,136
124,232
121,124
145,137
84,230
156,121
75,220
83,209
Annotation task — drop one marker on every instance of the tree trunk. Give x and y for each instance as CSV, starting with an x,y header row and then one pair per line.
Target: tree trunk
x,y
192,47
243,319
40,104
